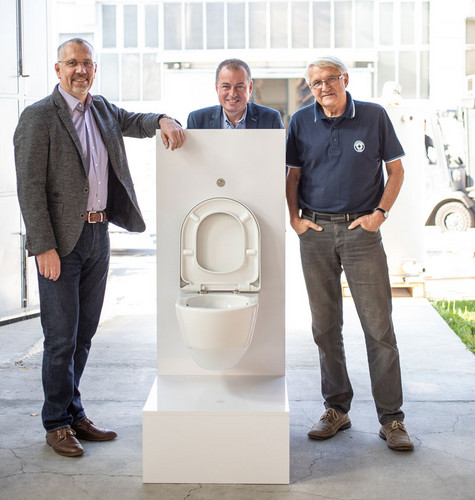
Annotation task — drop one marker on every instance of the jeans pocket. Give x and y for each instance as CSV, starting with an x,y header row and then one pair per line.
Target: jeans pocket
x,y
368,232
307,231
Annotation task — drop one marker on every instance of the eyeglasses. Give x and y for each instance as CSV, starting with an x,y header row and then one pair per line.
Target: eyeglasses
x,y
330,81
73,64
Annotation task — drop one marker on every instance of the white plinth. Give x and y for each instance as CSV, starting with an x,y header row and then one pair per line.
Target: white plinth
x,y
228,429
220,426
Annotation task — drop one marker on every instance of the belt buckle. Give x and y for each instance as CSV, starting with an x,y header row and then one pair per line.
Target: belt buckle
x,y
338,218
347,217
94,221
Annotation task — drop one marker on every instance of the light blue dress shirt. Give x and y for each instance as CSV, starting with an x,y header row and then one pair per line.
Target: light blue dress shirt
x,y
226,124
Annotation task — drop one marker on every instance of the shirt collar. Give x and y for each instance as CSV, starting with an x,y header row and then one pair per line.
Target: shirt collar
x,y
225,118
74,103
348,113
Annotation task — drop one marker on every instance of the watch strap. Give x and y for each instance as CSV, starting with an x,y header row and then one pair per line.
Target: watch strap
x,y
384,212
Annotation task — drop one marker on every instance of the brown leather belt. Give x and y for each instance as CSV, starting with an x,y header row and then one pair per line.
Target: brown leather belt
x,y
93,216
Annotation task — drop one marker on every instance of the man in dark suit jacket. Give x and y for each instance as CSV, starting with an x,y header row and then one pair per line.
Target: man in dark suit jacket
x,y
234,88
73,179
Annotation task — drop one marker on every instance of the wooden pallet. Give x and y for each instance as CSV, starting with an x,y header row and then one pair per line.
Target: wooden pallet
x,y
401,286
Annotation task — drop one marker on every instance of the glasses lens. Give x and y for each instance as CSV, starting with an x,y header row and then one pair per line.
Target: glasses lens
x,y
330,81
73,64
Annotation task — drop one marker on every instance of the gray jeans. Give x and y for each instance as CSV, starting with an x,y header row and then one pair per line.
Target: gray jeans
x,y
361,255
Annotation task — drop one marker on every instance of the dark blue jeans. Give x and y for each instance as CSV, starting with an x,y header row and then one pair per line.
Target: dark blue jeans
x,y
361,255
70,312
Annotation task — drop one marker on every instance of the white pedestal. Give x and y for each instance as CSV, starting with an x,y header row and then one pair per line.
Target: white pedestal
x,y
228,429
220,426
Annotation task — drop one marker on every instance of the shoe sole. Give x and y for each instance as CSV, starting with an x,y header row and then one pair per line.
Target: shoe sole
x,y
82,438
75,454
88,438
404,447
322,438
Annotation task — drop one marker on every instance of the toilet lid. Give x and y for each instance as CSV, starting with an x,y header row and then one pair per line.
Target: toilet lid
x,y
220,247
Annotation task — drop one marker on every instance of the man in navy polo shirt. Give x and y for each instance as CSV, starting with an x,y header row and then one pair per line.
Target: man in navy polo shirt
x,y
337,200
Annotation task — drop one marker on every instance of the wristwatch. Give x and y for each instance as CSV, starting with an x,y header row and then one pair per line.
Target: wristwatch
x,y
384,212
163,115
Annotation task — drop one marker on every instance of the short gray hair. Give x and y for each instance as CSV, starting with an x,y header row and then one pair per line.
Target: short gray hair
x,y
78,41
325,62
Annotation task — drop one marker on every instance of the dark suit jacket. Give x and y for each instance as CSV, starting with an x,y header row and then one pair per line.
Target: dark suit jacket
x,y
257,117
52,175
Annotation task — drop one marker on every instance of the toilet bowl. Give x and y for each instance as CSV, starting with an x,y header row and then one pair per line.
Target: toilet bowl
x,y
219,282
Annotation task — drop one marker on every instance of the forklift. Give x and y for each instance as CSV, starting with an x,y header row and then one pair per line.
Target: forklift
x,y
450,153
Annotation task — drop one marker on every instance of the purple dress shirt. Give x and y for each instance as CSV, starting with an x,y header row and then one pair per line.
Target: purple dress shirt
x,y
94,150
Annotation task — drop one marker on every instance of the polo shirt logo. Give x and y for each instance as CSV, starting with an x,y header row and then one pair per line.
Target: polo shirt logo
x,y
359,146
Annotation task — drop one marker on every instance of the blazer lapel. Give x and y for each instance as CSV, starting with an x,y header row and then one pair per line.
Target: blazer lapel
x,y
252,116
65,117
215,119
109,137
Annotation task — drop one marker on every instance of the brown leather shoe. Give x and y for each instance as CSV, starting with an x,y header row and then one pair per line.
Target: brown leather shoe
x,y
64,443
85,429
329,424
396,436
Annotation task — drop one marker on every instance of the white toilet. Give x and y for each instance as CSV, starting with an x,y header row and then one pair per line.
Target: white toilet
x,y
219,281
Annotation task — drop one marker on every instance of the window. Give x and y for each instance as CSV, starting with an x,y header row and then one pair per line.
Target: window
x,y
130,77
151,25
407,23
424,71
408,74
152,83
470,50
344,26
364,25
300,24
278,25
194,26
386,69
109,37
215,25
386,18
109,81
470,31
425,22
236,26
130,26
172,26
257,25
321,25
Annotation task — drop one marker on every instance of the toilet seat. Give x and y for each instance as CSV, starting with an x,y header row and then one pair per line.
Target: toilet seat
x,y
220,248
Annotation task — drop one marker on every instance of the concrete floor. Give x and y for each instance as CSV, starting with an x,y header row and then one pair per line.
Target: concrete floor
x,y
439,386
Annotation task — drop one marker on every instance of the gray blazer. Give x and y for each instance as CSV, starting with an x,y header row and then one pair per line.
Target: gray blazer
x,y
257,117
52,175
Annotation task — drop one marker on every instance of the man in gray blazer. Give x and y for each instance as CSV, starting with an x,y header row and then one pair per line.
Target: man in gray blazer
x,y
234,88
73,179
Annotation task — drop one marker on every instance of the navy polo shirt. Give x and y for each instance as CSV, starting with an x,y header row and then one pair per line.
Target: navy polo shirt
x,y
341,158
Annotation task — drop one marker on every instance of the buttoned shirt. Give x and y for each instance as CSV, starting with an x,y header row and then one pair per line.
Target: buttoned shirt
x,y
226,124
94,150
